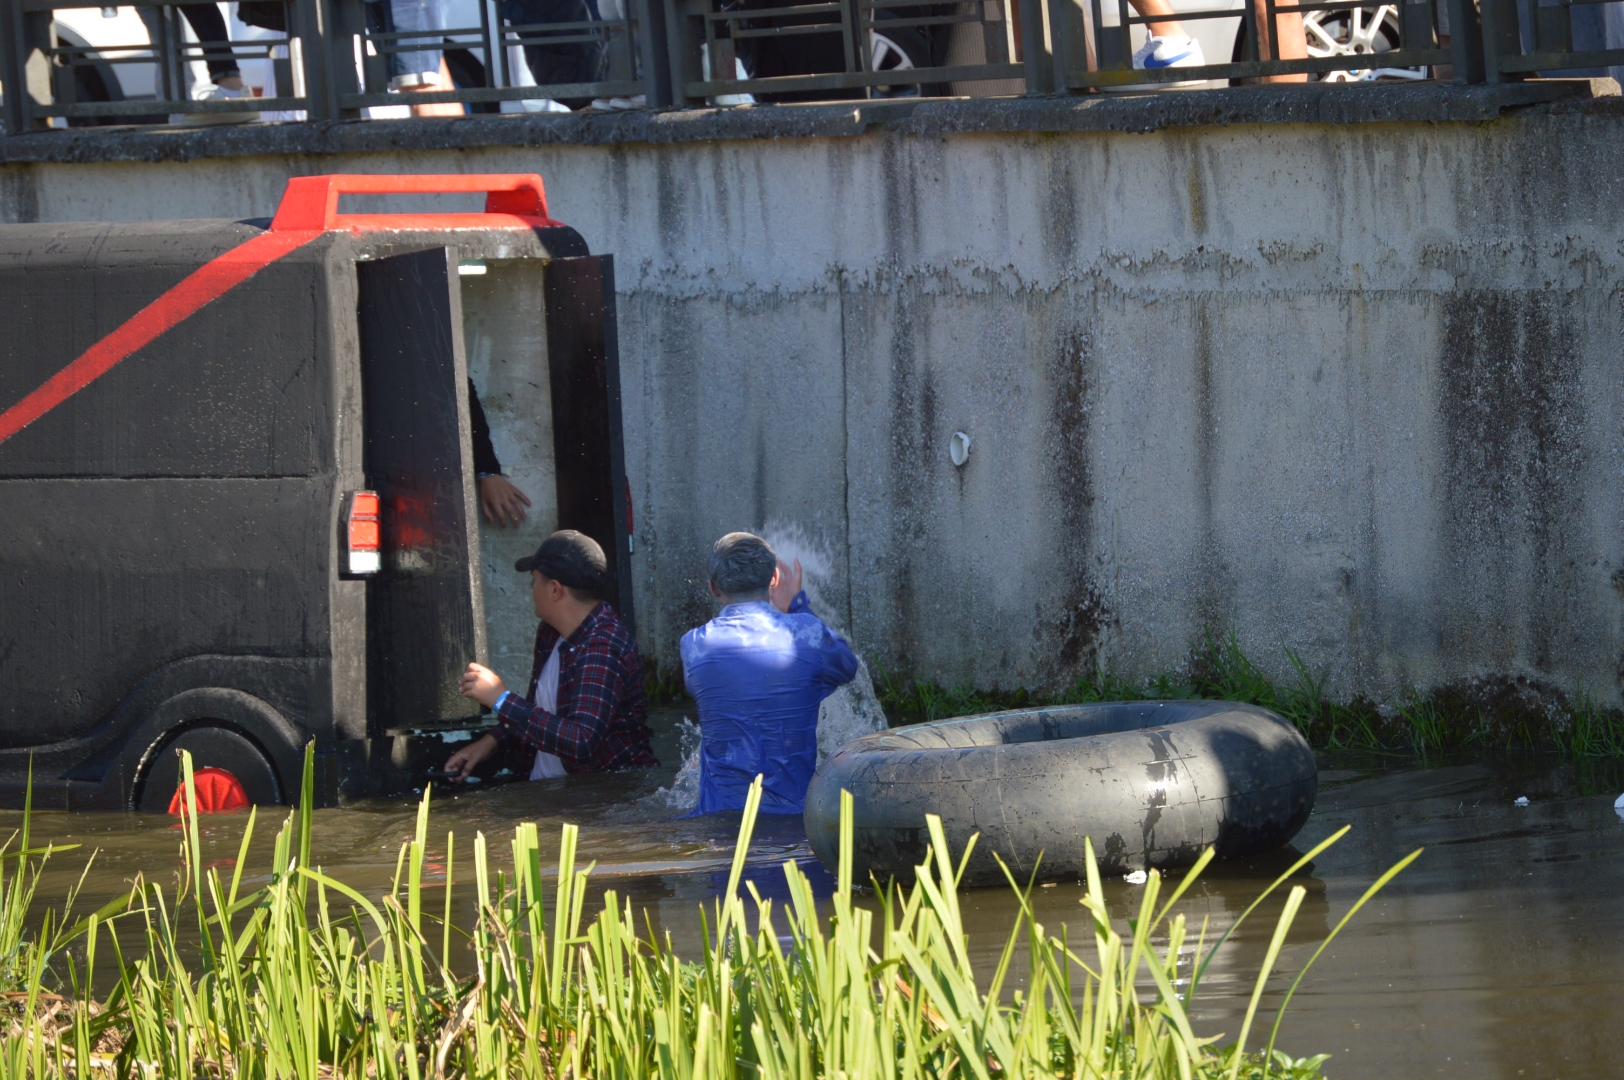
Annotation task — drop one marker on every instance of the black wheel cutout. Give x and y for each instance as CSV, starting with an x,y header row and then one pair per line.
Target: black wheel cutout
x,y
95,81
209,745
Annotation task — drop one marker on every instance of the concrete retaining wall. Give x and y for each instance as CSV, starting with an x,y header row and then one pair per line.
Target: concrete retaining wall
x,y
1353,388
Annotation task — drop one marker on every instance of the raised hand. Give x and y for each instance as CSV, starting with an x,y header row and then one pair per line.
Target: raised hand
x,y
786,585
482,684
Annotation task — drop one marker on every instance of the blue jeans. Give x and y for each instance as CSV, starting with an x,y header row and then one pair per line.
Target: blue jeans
x,y
1597,26
424,19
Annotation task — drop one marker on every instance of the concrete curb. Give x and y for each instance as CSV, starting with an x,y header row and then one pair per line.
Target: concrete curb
x,y
1321,103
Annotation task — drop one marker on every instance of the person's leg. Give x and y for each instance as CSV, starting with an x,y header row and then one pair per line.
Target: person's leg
x,y
226,79
1170,27
1613,35
571,62
420,69
153,18
1290,40
210,27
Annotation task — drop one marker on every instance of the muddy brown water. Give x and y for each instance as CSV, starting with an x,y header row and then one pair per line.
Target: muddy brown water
x,y
1500,953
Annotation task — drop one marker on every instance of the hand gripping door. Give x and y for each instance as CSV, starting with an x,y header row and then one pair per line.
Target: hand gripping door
x,y
425,610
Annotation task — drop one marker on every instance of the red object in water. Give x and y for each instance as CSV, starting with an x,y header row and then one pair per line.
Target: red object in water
x,y
217,792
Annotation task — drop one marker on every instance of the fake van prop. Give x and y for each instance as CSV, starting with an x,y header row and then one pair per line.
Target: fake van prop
x,y
237,503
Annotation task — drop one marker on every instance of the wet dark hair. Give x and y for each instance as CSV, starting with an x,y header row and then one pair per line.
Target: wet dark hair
x,y
741,565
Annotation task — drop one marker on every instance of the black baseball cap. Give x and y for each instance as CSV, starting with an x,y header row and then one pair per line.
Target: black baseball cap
x,y
570,558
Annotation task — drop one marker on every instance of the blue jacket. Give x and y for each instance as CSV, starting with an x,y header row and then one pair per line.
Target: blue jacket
x,y
758,676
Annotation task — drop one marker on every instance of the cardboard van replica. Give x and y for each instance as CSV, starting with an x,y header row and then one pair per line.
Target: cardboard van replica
x,y
237,501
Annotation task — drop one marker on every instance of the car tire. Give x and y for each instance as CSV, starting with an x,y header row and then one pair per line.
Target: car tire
x,y
1345,30
900,48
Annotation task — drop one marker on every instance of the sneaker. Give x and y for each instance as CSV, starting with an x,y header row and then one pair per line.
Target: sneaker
x,y
1167,52
210,92
613,104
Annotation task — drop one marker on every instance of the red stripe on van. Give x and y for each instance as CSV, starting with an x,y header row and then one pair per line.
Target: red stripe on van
x,y
208,282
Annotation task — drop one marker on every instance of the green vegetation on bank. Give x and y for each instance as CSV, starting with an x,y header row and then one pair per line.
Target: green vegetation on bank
x,y
307,978
1488,714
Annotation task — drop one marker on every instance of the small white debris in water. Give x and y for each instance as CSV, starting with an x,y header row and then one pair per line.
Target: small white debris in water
x,y
456,736
1138,877
1522,800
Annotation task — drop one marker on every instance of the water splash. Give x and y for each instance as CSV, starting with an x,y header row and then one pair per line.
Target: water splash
x,y
683,794
849,713
853,710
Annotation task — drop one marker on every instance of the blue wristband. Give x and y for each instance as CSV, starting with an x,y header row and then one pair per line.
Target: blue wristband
x,y
496,707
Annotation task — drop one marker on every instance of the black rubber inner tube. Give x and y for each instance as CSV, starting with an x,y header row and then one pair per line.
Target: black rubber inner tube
x,y
1152,783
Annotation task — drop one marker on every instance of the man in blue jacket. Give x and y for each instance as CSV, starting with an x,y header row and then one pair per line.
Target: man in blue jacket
x,y
758,672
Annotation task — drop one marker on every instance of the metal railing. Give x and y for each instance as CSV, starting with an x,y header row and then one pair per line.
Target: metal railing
x,y
330,59
44,76
330,62
1347,39
833,48
621,45
1524,37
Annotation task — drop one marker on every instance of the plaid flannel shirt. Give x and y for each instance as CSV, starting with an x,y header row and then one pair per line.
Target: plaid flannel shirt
x,y
600,724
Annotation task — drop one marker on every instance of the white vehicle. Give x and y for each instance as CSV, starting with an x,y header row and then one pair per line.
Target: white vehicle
x,y
123,69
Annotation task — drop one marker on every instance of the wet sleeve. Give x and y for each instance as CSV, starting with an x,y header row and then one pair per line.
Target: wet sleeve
x,y
839,662
485,461
586,707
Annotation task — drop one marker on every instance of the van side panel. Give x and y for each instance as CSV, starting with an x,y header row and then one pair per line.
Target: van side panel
x,y
108,580
181,504
240,388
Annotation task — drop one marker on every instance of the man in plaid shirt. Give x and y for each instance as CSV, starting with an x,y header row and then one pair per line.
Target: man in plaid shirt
x,y
585,711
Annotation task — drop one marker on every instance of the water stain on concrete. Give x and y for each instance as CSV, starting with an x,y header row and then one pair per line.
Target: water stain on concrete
x,y
1511,413
1069,638
19,195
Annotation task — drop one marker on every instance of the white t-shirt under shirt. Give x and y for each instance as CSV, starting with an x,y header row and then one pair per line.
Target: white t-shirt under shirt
x,y
545,694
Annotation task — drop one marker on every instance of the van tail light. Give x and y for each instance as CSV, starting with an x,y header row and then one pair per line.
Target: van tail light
x,y
362,535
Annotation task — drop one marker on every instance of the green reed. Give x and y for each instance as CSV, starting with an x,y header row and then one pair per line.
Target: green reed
x,y
307,978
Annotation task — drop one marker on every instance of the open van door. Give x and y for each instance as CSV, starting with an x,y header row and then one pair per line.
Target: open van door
x,y
426,617
583,361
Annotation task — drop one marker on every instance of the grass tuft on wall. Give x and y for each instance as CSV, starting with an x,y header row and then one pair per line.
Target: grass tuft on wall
x,y
1499,713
